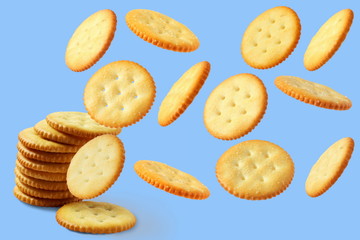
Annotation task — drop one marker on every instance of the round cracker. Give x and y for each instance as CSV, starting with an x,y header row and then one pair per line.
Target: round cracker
x,y
119,94
41,193
78,124
328,39
161,30
235,106
90,40
40,184
29,138
312,93
46,131
271,37
96,167
95,217
44,156
182,93
47,176
42,166
255,170
41,202
171,180
329,167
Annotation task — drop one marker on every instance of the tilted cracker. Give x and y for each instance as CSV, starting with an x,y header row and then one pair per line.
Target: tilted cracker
x,y
42,166
29,138
255,170
95,217
271,37
235,106
47,176
161,30
328,39
90,40
182,93
171,180
46,131
41,193
331,164
96,166
41,202
41,184
44,156
119,94
78,124
312,93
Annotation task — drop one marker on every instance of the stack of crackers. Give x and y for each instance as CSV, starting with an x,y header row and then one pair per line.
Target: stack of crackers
x,y
44,155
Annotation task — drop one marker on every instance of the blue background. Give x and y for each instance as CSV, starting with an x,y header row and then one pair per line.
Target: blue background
x,y
35,82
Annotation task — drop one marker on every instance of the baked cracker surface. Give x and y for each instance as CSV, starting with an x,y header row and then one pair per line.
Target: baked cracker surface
x,y
255,170
90,40
235,106
329,167
312,93
79,124
119,94
95,217
271,37
182,93
96,167
161,30
328,39
171,180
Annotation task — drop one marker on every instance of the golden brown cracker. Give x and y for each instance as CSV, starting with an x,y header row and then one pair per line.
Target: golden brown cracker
x,y
171,180
312,93
95,217
235,106
78,124
119,94
182,93
161,30
328,39
41,193
271,37
47,176
42,166
44,156
45,131
29,138
90,40
41,202
40,184
329,167
255,170
96,166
